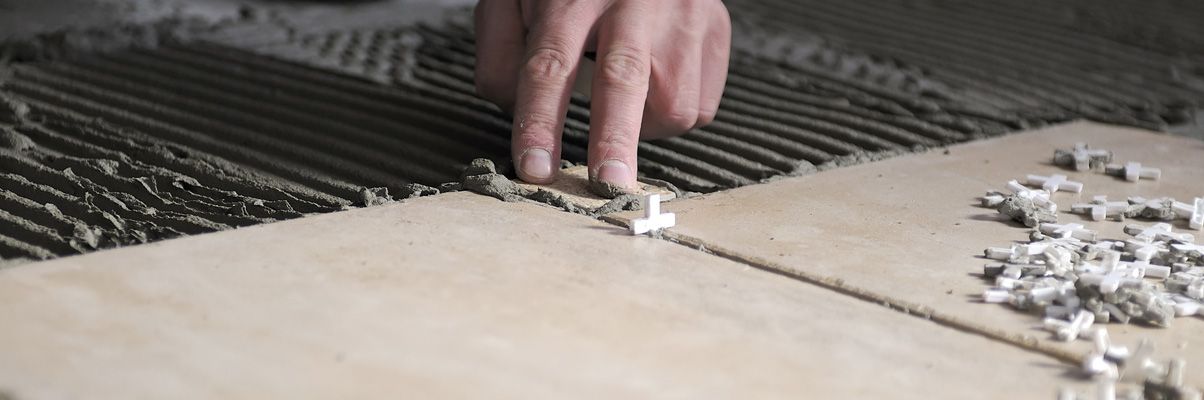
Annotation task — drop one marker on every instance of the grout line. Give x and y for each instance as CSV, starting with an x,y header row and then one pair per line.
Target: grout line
x,y
1022,341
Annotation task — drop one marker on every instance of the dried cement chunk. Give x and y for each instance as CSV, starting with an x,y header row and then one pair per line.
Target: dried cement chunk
x,y
481,177
1082,158
375,196
415,190
493,185
480,166
1024,211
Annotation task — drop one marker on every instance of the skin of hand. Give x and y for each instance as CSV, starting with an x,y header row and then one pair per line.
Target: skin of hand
x,y
660,71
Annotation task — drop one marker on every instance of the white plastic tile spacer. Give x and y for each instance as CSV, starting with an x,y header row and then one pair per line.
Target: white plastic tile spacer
x,y
1095,364
1044,294
1106,389
1054,183
1133,171
1100,208
1103,345
1063,231
1193,213
1146,270
1144,250
992,199
1159,231
1084,155
653,218
1112,280
1186,309
1188,248
1070,330
996,296
1040,198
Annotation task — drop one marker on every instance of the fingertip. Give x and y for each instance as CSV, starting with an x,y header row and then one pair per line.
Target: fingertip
x,y
536,165
615,172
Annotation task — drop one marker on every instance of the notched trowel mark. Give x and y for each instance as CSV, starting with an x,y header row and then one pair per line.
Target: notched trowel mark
x,y
13,111
13,140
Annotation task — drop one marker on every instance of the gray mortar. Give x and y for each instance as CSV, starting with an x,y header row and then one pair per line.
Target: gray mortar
x,y
380,195
481,177
800,102
12,140
72,42
863,157
606,189
681,194
12,111
375,196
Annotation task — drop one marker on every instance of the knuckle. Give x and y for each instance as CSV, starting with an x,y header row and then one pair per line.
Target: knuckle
x,y
619,140
535,130
624,67
548,64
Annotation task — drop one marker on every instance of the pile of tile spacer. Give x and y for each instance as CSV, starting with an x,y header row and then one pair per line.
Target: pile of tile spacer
x,y
1077,280
1065,269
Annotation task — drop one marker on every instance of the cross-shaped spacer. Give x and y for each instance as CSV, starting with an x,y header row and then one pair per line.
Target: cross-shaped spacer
x,y
1159,231
653,219
1193,213
1054,183
1040,198
1100,208
1144,250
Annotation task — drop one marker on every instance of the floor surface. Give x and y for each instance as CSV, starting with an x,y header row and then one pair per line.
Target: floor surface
x,y
909,231
459,296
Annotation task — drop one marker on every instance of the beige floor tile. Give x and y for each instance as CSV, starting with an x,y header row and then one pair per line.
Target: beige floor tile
x,y
909,231
464,296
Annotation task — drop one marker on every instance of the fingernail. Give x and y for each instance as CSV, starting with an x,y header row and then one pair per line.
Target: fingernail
x,y
537,164
615,172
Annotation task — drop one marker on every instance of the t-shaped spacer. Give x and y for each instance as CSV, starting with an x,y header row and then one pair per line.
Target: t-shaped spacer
x,y
1193,213
1133,171
653,219
1054,183
1145,250
1076,231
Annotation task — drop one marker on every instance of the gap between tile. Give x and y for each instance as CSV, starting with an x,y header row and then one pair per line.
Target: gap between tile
x,y
1021,341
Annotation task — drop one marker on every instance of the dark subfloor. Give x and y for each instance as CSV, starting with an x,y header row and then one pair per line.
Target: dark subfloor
x,y
257,120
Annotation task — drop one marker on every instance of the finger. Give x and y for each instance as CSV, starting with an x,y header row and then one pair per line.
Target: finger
x,y
499,42
674,91
715,55
554,47
620,89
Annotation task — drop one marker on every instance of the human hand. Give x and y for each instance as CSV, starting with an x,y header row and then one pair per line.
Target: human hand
x,y
661,67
